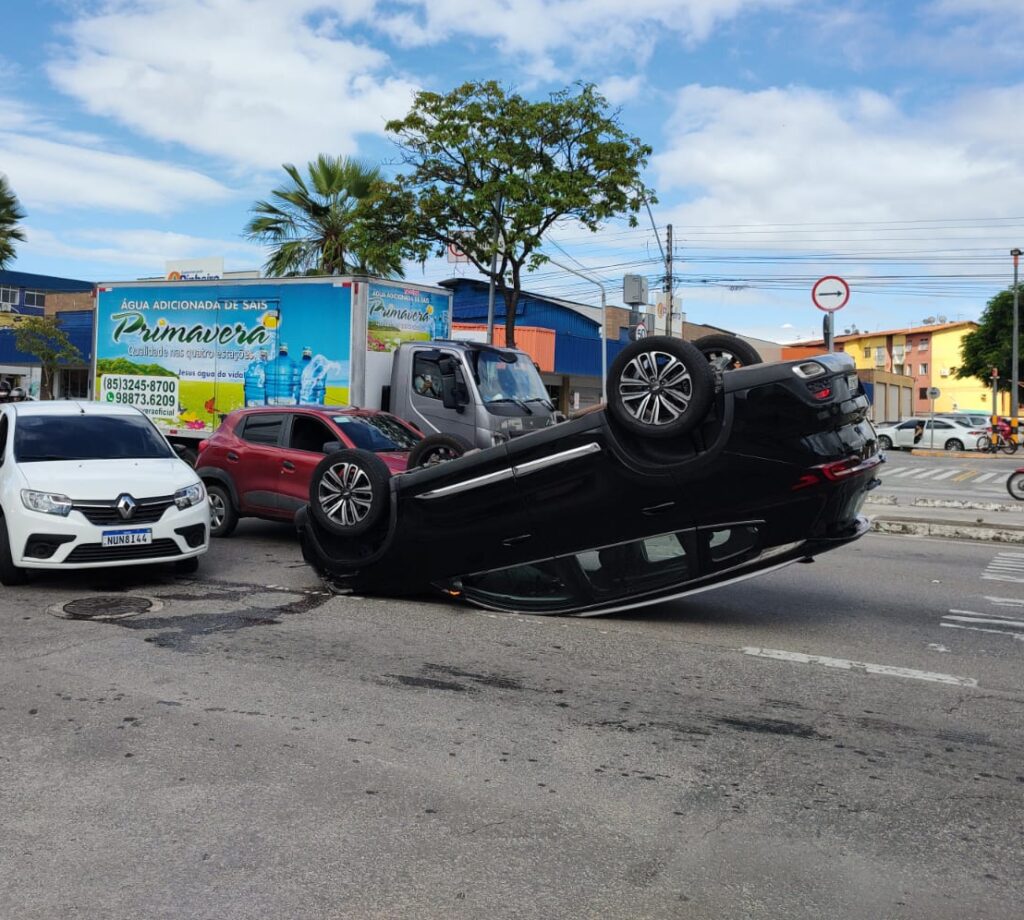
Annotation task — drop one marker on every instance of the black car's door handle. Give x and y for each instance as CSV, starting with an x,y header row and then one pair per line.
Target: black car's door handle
x,y
232,456
288,465
514,541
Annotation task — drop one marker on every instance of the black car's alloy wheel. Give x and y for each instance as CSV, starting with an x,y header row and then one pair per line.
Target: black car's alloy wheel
x,y
660,387
438,448
349,492
725,352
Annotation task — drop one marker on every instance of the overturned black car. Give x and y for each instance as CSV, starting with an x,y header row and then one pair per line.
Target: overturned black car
x,y
698,472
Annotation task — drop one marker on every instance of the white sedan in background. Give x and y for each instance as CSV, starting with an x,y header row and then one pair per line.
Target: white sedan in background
x,y
88,485
948,433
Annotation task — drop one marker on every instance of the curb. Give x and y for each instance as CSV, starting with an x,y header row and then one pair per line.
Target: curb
x,y
954,530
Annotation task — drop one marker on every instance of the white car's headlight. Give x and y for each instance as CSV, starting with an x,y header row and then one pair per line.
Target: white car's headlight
x,y
190,495
46,502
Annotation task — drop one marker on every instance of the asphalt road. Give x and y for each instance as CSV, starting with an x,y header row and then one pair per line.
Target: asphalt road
x,y
841,739
968,476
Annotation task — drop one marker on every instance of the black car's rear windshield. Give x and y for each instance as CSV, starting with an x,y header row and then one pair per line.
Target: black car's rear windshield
x,y
87,437
376,432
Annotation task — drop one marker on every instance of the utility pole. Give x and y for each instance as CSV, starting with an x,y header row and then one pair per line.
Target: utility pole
x,y
668,283
1014,378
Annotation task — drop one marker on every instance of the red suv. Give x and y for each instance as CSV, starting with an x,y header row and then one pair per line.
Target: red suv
x,y
259,462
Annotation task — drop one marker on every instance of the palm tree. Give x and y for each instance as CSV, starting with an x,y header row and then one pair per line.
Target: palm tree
x,y
10,214
320,225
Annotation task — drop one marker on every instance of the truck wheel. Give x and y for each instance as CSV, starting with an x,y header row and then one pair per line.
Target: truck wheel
x,y
726,352
437,448
223,517
349,492
660,387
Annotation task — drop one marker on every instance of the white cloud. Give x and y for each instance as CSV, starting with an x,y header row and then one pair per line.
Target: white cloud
x,y
257,82
797,155
618,90
139,251
51,176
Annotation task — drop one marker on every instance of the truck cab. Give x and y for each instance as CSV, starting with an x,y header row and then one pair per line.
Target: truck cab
x,y
487,395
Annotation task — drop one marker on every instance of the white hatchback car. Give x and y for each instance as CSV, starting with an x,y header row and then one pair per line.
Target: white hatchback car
x,y
89,485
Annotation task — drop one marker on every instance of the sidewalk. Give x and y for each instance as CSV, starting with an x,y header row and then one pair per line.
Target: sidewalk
x,y
995,522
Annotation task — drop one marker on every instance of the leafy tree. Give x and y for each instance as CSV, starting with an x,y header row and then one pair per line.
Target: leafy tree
x,y
315,224
480,158
10,214
41,337
991,344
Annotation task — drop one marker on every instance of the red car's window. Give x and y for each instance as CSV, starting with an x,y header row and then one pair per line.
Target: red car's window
x,y
376,432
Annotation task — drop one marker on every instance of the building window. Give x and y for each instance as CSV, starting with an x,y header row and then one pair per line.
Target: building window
x,y
8,298
879,356
922,393
923,369
867,352
35,299
922,345
74,384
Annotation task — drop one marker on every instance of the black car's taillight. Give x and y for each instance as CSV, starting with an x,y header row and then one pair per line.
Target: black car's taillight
x,y
836,471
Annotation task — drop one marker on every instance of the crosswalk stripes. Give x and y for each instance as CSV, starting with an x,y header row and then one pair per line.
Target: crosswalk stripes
x,y
938,474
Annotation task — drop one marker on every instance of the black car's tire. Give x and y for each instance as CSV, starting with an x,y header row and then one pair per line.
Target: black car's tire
x,y
954,444
660,387
10,574
223,516
726,352
884,442
437,448
1014,485
187,566
349,492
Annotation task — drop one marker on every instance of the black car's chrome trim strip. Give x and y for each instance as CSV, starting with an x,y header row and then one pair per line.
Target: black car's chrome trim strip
x,y
532,466
475,483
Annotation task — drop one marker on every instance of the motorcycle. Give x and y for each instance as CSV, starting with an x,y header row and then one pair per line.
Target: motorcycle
x,y
1015,484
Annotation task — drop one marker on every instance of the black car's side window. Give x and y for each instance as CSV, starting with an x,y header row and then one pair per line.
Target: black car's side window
x,y
263,429
426,377
309,434
628,566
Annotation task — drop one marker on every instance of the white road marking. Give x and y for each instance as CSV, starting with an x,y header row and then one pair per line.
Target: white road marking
x,y
984,477
847,665
935,647
945,475
1005,601
1002,632
925,474
897,471
972,617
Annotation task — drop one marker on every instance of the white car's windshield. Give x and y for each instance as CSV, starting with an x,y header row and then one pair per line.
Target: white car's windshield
x,y
87,437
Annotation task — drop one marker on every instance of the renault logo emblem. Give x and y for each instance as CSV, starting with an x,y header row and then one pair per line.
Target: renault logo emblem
x,y
126,506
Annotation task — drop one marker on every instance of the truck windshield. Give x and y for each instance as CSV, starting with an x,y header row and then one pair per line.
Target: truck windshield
x,y
376,432
87,437
504,382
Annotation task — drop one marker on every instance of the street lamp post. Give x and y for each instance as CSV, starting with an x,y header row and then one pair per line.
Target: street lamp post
x,y
1014,398
600,329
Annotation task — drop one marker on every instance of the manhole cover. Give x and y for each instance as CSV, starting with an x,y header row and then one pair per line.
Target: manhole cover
x,y
105,607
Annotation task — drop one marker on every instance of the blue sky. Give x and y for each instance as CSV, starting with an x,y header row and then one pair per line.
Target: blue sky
x,y
879,141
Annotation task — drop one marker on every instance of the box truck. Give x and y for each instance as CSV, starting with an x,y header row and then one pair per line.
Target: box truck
x,y
188,352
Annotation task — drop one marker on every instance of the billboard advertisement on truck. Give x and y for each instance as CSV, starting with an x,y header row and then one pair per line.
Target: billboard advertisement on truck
x,y
187,353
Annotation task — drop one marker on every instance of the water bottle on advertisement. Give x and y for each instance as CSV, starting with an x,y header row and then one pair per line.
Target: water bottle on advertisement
x,y
313,386
281,374
439,324
254,381
301,391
